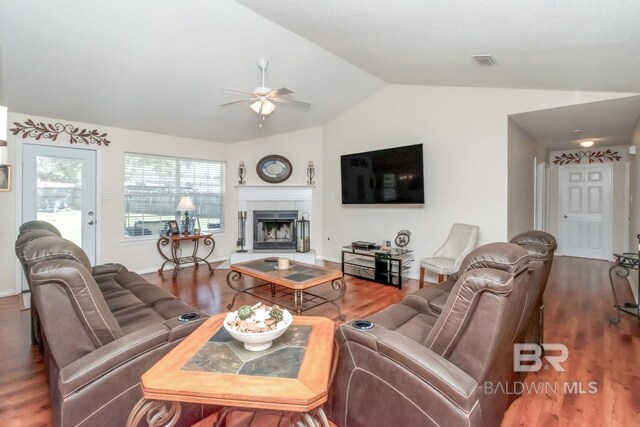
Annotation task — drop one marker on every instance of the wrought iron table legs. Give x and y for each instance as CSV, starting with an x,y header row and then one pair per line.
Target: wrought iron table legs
x,y
300,297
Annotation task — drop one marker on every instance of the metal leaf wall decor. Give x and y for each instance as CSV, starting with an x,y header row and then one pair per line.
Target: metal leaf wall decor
x,y
593,157
52,131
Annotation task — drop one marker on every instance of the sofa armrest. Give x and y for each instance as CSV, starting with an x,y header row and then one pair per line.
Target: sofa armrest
x,y
81,372
438,372
116,353
109,268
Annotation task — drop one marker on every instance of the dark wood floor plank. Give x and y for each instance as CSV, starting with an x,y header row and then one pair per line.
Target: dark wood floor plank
x,y
578,307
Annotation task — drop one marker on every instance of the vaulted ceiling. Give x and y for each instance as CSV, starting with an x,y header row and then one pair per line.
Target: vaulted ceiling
x,y
158,65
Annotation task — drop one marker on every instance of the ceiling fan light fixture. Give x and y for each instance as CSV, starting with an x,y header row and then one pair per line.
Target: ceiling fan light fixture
x,y
263,106
587,144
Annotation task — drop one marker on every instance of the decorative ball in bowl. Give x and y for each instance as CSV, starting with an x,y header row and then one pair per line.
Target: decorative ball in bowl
x,y
257,326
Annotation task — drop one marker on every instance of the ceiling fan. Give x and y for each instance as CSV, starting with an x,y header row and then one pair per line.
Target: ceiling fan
x,y
263,98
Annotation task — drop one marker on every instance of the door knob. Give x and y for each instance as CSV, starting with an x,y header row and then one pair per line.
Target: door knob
x,y
91,222
566,216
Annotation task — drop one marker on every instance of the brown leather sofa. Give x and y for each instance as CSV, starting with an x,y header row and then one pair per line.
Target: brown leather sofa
x,y
419,368
102,328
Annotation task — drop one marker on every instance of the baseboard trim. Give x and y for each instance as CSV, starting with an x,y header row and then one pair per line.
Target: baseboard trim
x,y
169,268
8,293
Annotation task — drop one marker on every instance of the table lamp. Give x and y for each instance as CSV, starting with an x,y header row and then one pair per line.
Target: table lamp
x,y
186,205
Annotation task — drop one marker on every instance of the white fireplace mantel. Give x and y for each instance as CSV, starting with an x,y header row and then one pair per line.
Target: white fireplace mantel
x,y
275,192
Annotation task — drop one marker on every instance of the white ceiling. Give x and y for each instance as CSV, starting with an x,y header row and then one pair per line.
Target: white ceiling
x,y
606,122
538,44
158,65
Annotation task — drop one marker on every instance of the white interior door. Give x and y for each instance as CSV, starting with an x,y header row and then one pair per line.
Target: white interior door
x,y
586,207
59,186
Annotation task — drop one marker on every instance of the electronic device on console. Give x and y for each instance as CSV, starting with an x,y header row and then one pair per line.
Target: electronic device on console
x,y
366,246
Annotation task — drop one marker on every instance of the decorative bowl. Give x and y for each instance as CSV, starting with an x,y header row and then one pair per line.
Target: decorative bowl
x,y
259,341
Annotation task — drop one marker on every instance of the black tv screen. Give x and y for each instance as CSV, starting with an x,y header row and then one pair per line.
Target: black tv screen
x,y
391,176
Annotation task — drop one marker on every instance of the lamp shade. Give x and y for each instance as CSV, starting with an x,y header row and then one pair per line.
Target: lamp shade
x,y
186,204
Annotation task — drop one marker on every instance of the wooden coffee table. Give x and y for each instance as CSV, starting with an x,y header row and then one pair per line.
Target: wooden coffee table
x,y
283,286
210,367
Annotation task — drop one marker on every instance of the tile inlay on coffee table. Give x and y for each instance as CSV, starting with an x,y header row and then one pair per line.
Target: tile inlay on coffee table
x,y
225,355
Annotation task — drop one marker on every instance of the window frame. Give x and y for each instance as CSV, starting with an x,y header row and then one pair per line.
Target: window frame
x,y
178,179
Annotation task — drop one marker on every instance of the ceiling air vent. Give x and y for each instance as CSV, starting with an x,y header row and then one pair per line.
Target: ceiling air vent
x,y
484,59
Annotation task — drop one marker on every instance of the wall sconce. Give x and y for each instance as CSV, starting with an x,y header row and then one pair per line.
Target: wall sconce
x,y
311,172
242,172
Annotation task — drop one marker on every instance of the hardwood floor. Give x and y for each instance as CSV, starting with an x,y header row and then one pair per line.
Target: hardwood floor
x,y
578,307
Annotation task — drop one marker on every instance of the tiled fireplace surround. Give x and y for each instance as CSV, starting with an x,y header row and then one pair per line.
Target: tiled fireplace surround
x,y
273,197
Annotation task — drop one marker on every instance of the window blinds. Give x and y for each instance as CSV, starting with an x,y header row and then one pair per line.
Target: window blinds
x,y
154,185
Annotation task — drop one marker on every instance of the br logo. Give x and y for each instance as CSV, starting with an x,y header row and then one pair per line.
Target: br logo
x,y
528,357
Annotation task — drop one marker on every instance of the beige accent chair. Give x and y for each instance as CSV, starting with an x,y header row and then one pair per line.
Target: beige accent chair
x,y
463,238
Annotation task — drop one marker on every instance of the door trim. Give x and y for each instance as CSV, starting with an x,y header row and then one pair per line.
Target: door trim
x,y
607,211
17,187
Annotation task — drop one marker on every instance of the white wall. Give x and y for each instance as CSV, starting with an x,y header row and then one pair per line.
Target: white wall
x,y
298,147
464,132
618,237
138,255
522,151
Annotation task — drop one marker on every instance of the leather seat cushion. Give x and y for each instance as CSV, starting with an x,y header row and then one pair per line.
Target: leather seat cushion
x,y
435,297
438,303
139,316
405,321
440,265
118,286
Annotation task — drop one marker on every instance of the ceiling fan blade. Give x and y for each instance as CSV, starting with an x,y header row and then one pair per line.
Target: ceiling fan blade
x,y
292,103
279,92
242,101
238,91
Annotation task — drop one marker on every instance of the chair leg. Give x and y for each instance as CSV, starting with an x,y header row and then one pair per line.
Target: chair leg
x,y
421,277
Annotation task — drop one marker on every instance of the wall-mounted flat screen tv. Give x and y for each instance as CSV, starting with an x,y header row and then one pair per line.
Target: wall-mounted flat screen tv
x,y
390,176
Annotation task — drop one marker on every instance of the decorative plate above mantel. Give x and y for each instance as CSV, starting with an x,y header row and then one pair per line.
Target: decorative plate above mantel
x,y
274,169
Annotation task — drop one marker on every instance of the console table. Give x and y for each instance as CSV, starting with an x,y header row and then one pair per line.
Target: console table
x,y
174,242
382,266
624,263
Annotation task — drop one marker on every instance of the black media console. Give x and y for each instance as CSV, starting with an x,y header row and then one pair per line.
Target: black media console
x,y
388,267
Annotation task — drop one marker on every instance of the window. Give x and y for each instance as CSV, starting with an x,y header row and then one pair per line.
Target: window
x,y
153,186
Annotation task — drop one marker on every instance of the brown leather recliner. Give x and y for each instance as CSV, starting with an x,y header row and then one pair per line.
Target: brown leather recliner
x,y
29,231
102,332
414,368
541,247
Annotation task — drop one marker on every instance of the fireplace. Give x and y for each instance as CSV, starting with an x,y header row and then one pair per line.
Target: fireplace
x,y
274,230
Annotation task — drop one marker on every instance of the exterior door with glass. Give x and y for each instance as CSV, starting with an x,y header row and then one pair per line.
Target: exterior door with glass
x,y
59,186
